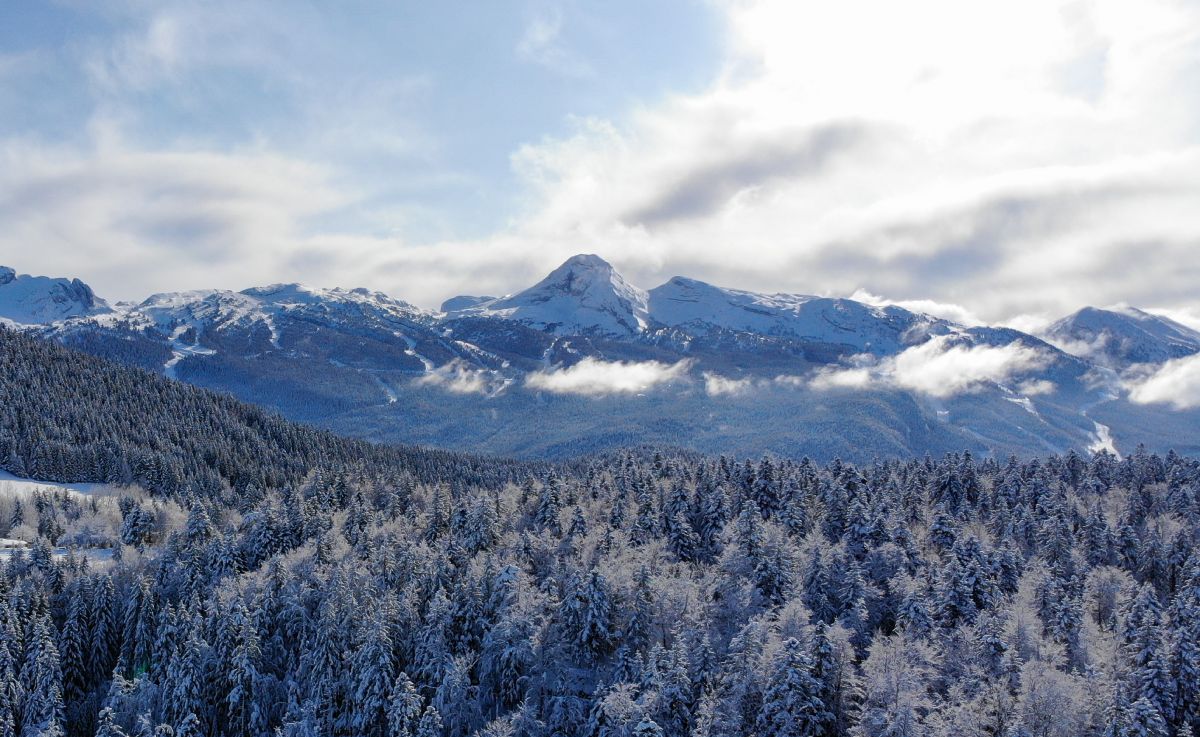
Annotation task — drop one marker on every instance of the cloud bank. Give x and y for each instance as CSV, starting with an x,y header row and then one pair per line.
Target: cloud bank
x,y
592,377
1020,159
1176,383
938,368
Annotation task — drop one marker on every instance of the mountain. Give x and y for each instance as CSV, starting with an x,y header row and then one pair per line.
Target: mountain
x,y
32,300
585,361
1123,336
584,296
696,306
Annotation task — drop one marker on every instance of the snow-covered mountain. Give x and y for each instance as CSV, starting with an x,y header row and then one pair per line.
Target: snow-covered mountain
x,y
584,296
696,306
41,300
1122,336
584,360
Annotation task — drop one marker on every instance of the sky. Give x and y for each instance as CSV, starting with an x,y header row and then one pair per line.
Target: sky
x,y
990,162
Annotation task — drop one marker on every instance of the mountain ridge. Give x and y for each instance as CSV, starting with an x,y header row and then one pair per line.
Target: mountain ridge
x,y
714,366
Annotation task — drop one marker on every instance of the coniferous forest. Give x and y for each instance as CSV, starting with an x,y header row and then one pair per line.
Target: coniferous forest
x,y
263,578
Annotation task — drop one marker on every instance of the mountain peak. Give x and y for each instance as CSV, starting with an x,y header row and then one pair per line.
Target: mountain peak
x,y
584,295
41,300
582,273
1124,335
587,260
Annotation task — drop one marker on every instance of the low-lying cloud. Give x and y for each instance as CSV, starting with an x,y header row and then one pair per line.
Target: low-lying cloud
x,y
940,369
856,378
1176,383
944,310
459,378
592,377
716,385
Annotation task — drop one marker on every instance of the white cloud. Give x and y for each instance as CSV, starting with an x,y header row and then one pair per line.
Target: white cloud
x,y
459,378
940,368
542,44
856,378
188,219
946,311
935,157
596,378
716,385
1036,387
1033,324
1176,383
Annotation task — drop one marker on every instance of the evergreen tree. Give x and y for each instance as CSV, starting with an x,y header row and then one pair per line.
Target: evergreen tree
x,y
404,708
791,705
372,670
43,710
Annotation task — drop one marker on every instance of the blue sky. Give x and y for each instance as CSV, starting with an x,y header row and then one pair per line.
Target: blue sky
x,y
995,161
418,106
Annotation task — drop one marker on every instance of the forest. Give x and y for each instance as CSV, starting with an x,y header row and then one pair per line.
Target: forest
x,y
264,578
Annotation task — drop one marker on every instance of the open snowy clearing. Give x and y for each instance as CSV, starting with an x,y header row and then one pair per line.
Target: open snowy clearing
x,y
15,485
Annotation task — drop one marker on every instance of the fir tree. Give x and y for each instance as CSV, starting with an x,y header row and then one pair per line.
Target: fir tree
x,y
791,704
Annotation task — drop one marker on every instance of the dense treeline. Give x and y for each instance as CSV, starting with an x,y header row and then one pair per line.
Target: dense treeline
x,y
633,595
1058,597
67,416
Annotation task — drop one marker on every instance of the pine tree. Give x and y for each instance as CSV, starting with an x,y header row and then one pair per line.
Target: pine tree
x,y
550,504
589,616
791,704
1185,655
836,692
1145,720
243,676
106,632
404,708
372,670
682,538
189,727
1151,670
43,710
108,726
647,727
75,646
187,693
10,693
430,724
